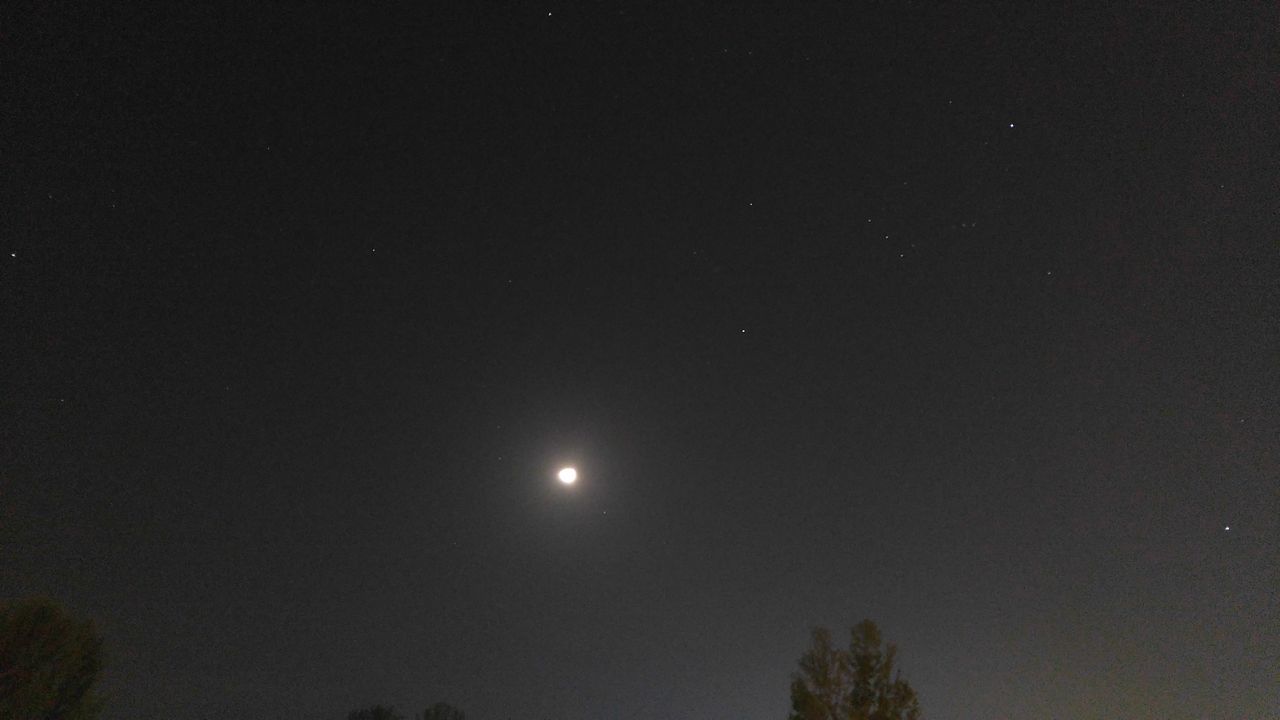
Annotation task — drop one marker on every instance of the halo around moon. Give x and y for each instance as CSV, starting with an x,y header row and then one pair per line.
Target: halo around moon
x,y
567,475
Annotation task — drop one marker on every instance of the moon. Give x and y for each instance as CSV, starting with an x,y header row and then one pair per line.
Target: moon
x,y
568,475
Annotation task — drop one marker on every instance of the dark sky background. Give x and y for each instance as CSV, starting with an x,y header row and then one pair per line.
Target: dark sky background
x,y
963,318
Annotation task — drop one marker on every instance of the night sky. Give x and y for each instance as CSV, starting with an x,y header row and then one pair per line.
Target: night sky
x,y
964,318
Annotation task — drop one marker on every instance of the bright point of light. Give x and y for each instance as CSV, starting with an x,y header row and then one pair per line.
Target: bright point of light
x,y
1228,528
567,475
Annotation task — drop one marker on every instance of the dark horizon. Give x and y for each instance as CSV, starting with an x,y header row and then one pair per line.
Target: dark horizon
x,y
958,318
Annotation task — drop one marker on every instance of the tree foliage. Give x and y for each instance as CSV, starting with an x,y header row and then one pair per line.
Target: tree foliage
x,y
375,712
439,711
855,684
49,663
443,711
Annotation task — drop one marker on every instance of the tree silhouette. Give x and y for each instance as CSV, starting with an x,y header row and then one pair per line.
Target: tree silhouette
x,y
376,712
443,711
49,663
854,684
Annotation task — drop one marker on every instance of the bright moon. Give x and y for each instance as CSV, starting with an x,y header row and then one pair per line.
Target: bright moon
x,y
567,475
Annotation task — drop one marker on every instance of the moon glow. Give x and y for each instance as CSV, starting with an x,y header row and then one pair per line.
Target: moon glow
x,y
568,475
